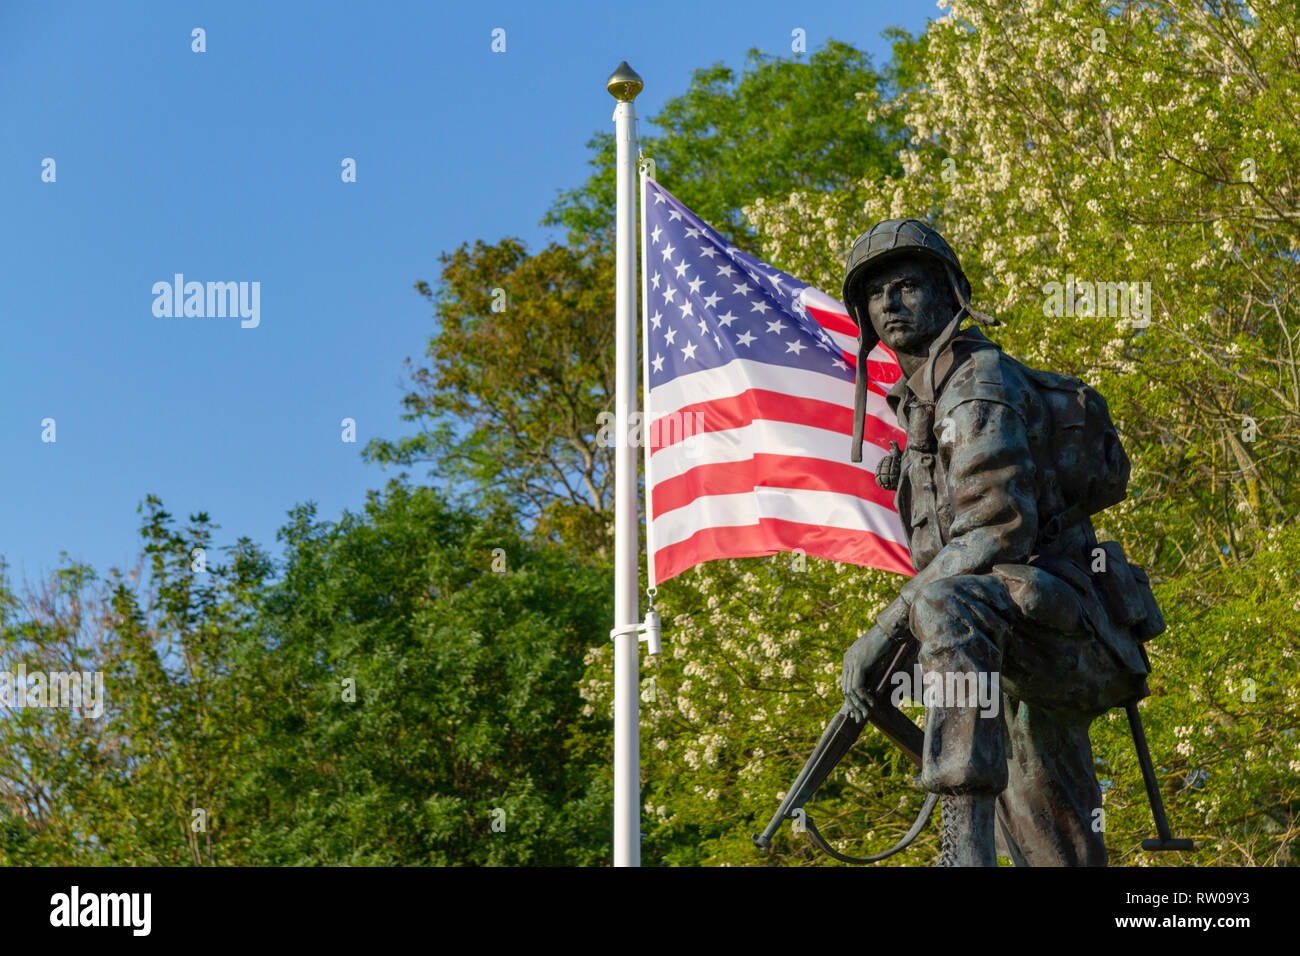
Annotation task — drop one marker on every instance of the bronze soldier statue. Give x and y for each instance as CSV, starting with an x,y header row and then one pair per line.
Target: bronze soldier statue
x,y
1003,468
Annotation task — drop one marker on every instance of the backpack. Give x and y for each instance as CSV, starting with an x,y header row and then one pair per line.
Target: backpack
x,y
1082,458
1088,462
1089,466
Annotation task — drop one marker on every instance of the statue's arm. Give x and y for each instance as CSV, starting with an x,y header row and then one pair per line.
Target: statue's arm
x,y
991,475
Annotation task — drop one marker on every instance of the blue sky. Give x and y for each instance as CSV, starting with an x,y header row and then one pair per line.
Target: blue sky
x,y
225,166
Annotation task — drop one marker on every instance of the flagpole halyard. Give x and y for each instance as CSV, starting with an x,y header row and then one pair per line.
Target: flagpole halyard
x,y
645,394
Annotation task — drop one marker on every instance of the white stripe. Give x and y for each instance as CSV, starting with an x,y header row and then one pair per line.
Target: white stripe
x,y
819,300
740,375
759,437
815,298
668,426
823,508
848,343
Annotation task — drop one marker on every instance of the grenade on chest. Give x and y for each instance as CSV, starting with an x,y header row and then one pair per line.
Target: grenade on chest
x,y
889,467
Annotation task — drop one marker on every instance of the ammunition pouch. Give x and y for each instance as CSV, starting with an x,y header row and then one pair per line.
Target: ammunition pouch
x,y
1126,590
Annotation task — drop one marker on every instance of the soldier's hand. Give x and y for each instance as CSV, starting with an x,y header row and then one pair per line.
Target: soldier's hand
x,y
866,654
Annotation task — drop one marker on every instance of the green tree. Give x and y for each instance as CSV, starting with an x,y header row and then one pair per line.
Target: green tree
x,y
404,694
426,660
781,124
520,370
147,781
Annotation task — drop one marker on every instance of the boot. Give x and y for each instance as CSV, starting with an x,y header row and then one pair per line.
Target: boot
x,y
967,821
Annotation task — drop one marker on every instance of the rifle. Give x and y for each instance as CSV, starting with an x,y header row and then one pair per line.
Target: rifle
x,y
843,732
837,740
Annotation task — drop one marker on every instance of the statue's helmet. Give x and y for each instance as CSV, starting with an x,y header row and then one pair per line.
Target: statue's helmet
x,y
874,249
889,240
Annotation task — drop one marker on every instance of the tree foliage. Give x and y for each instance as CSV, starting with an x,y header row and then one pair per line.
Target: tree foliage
x,y
402,695
519,370
462,644
778,126
153,780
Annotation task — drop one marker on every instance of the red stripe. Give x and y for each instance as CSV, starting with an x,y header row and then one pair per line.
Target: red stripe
x,y
771,536
886,372
877,371
767,471
880,375
841,323
757,404
834,321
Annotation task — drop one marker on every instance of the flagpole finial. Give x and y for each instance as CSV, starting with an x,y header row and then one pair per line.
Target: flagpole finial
x,y
624,83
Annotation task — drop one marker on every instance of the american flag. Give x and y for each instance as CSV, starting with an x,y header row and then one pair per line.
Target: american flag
x,y
749,398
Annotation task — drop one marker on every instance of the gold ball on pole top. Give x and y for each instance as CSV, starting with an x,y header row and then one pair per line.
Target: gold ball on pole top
x,y
624,83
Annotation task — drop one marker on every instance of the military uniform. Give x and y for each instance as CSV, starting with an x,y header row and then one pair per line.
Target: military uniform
x,y
1001,585
991,596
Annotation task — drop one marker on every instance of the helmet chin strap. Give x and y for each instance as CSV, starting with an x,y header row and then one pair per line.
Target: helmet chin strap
x,y
859,391
860,387
979,317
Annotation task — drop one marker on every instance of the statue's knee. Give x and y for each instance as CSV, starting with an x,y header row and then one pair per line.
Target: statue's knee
x,y
942,604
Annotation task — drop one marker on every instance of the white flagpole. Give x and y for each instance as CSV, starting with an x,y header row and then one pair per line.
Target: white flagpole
x,y
624,85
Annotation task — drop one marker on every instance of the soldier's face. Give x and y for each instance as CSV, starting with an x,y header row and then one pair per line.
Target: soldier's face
x,y
908,304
